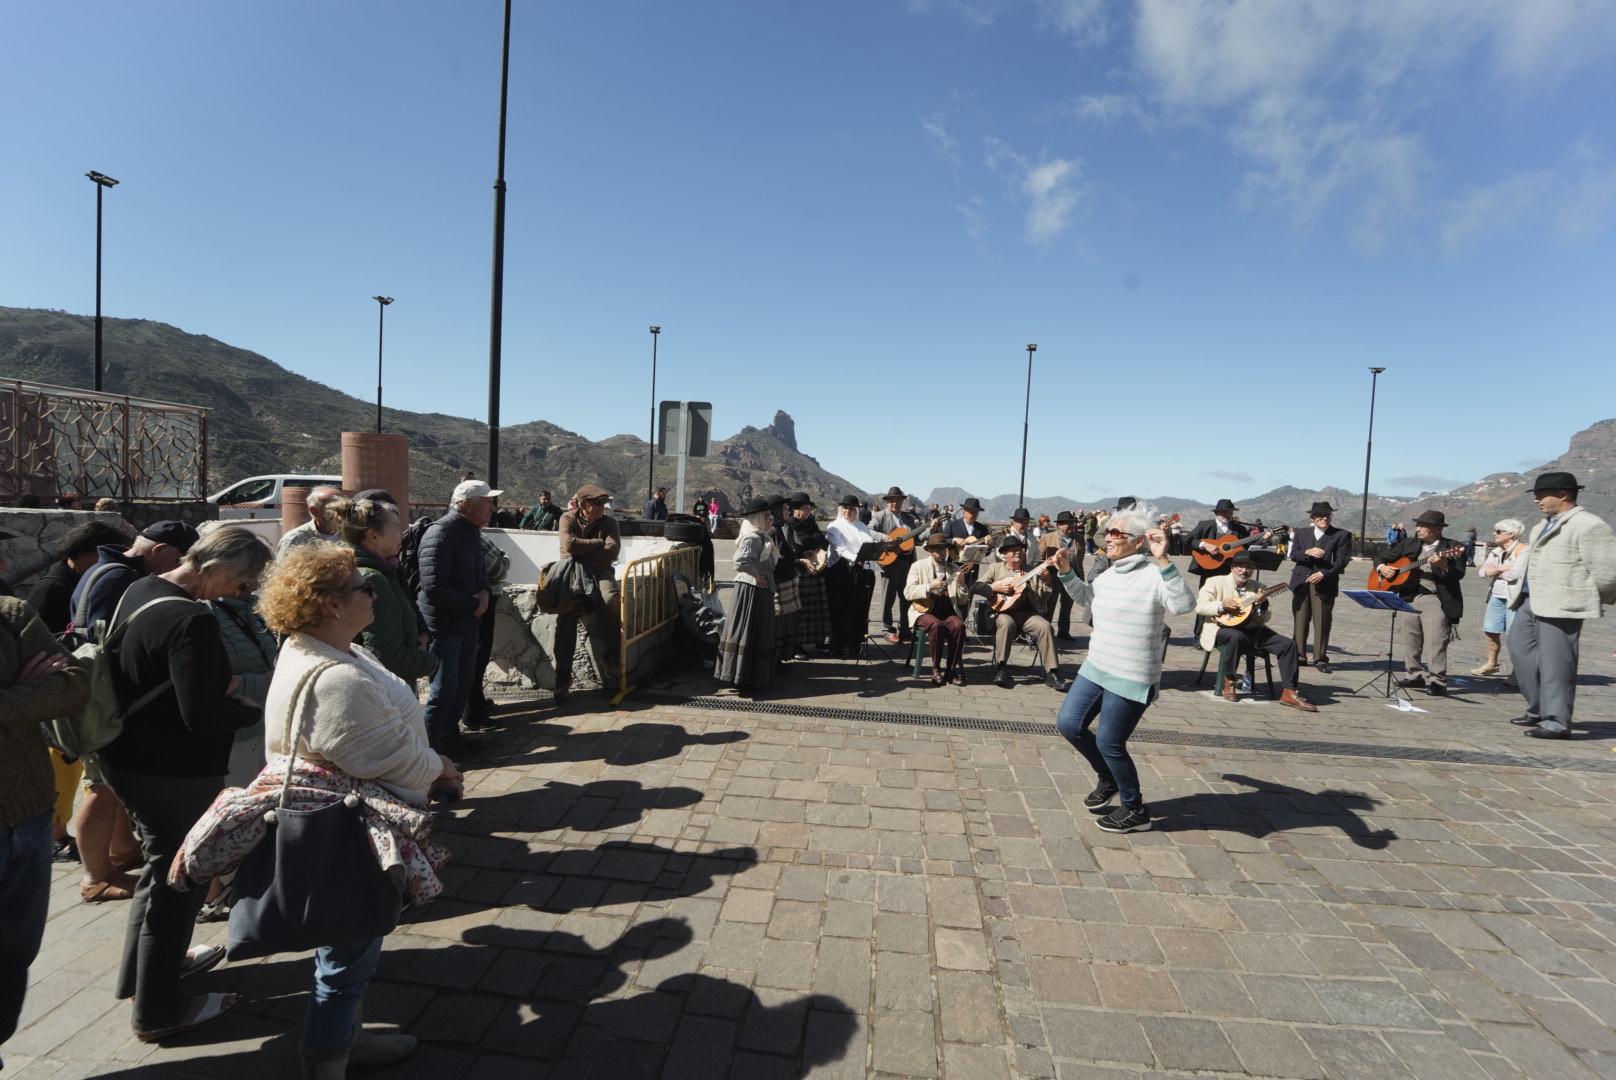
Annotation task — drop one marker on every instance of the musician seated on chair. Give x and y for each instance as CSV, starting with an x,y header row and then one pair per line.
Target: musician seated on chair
x,y
1232,595
935,589
1026,613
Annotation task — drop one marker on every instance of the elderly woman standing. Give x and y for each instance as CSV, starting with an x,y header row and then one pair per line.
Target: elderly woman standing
x,y
1122,674
395,636
746,652
171,761
362,720
1503,565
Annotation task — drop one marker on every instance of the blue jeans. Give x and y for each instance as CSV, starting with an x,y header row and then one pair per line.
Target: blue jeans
x,y
452,685
1107,752
341,974
25,864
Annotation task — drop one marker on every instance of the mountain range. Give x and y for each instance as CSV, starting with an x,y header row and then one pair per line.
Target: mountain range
x,y
266,419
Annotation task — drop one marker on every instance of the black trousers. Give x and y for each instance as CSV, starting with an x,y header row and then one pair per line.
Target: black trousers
x,y
895,576
477,702
849,590
1282,648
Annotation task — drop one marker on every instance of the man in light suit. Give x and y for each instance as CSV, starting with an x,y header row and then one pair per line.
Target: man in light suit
x,y
1568,575
1321,552
1230,594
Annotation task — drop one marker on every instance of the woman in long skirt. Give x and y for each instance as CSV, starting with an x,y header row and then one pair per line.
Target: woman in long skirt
x,y
746,651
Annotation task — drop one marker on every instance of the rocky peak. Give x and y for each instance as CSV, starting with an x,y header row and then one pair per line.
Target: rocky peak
x,y
784,428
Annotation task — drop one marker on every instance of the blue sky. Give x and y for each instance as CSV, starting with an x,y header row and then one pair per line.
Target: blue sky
x,y
1211,215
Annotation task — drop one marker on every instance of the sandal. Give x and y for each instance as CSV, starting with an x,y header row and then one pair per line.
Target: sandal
x,y
121,887
937,678
204,1009
1485,670
201,958
66,850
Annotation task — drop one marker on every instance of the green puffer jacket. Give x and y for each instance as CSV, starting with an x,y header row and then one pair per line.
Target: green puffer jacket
x,y
250,645
394,637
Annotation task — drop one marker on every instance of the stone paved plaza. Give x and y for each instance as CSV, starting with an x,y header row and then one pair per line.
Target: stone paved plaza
x,y
860,875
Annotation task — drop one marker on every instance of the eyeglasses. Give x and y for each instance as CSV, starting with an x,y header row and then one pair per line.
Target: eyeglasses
x,y
1497,532
363,585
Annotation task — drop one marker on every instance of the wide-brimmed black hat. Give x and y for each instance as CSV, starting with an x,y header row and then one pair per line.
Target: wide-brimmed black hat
x,y
1243,558
1127,502
894,492
851,501
1321,509
1556,481
1432,518
1021,514
754,506
776,501
1065,517
1224,506
1012,543
799,498
972,504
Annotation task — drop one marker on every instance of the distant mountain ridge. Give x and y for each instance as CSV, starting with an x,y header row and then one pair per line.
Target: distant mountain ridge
x,y
266,419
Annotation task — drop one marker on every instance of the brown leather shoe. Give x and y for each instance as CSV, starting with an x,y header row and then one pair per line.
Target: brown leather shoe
x,y
1231,689
1297,701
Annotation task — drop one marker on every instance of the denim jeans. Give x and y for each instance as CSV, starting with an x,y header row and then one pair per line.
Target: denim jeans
x,y
452,685
341,974
1107,752
25,873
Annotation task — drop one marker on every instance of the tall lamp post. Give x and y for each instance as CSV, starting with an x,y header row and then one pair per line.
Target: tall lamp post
x,y
381,316
650,441
102,182
1021,487
1363,522
497,307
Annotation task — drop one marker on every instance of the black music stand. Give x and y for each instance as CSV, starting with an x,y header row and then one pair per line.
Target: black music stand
x,y
868,553
1376,600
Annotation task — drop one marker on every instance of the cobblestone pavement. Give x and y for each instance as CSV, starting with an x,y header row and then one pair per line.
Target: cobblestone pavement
x,y
859,875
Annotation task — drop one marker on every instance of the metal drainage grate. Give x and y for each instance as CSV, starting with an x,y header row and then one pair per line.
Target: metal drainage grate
x,y
1144,735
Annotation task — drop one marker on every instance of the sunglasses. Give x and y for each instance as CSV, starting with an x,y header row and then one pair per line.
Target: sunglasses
x,y
365,586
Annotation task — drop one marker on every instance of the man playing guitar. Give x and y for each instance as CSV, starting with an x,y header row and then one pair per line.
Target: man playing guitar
x,y
1221,523
1230,595
966,528
1433,590
1002,578
886,522
935,589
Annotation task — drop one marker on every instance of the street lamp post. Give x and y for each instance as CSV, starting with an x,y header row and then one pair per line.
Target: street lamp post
x,y
497,306
102,182
1363,522
381,315
650,441
1021,488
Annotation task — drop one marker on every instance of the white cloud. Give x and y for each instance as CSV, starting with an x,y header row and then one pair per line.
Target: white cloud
x,y
1081,20
1575,200
1049,188
976,219
980,12
1493,206
1108,110
936,125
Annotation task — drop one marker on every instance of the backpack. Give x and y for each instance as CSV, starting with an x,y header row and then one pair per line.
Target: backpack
x,y
101,719
79,629
409,556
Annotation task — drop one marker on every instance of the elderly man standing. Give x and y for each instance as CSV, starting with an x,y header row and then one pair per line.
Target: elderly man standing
x,y
590,535
320,525
454,594
1568,574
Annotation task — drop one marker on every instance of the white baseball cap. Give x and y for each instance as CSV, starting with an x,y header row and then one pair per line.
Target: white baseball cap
x,y
474,489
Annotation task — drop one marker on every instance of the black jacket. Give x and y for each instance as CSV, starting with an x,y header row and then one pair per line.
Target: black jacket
x,y
453,572
656,510
1208,530
188,729
1337,545
52,597
1445,584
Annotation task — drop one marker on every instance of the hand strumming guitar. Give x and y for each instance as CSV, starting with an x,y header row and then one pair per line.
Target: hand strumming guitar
x,y
1232,606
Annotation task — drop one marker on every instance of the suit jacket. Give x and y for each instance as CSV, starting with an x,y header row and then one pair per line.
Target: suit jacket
x,y
1043,595
1208,530
1052,541
915,587
1337,545
1571,572
1209,602
1445,585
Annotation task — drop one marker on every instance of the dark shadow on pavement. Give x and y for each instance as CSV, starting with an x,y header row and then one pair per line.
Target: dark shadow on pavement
x,y
1270,808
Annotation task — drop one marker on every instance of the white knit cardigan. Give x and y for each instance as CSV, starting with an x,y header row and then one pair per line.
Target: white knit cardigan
x,y
1128,603
360,717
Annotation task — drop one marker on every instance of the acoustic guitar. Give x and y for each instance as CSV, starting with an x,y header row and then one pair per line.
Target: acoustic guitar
x,y
906,539
1248,605
1228,546
1003,602
1406,567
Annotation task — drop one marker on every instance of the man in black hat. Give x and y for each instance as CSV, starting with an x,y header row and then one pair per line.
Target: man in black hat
x,y
1020,529
1433,589
1321,552
157,550
1065,536
1569,575
966,527
1222,523
886,522
1025,616
849,583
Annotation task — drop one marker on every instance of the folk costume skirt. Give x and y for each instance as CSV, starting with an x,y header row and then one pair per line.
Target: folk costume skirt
x,y
746,652
813,621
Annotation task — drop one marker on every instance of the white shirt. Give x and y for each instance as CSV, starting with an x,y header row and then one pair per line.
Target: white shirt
x,y
846,537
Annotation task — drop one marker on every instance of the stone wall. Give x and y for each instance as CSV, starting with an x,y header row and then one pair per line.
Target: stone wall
x,y
524,646
33,549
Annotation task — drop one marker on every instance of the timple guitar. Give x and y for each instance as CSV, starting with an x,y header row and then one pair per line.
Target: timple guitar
x,y
1003,602
1228,546
1249,604
1406,568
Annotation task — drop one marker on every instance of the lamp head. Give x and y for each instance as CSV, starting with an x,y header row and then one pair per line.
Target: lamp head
x,y
102,178
656,329
1376,370
383,300
1032,348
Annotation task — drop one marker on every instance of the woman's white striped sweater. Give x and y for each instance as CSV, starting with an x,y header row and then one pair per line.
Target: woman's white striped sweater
x,y
1128,603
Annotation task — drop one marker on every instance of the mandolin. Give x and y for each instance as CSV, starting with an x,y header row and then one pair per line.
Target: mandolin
x,y
1228,546
1003,602
1248,605
1406,568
